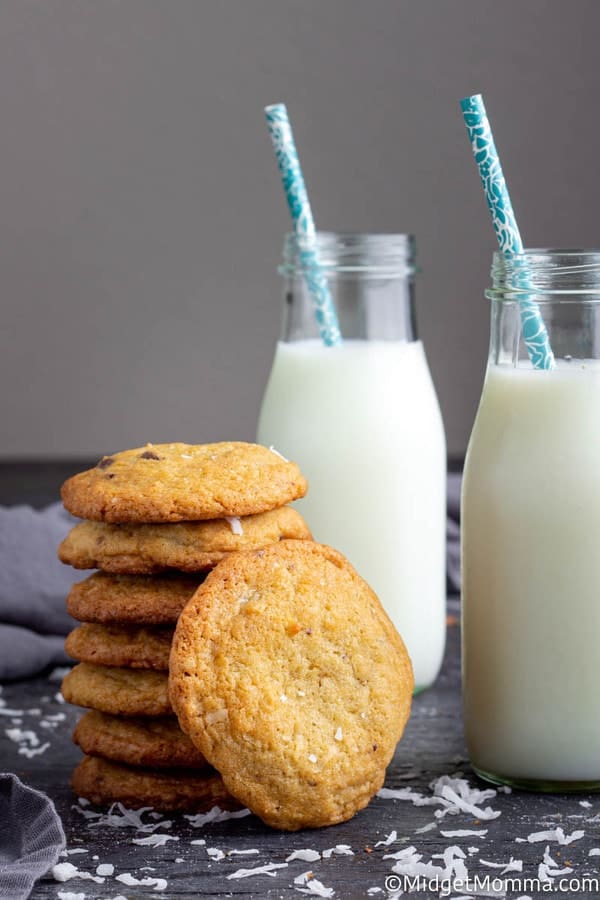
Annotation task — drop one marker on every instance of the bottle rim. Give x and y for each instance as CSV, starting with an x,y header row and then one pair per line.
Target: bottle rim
x,y
372,254
550,274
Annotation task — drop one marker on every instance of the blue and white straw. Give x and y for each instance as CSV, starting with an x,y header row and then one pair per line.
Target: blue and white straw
x,y
505,225
304,226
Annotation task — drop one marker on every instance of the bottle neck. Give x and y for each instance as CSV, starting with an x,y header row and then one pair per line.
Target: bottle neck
x,y
371,281
561,289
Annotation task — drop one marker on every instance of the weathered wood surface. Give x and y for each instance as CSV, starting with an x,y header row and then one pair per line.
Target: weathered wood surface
x,y
432,746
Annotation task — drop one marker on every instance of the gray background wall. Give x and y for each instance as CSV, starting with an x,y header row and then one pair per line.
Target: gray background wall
x,y
141,214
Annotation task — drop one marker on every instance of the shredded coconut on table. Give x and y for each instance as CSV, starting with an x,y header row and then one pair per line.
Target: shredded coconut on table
x,y
159,884
513,865
235,524
308,884
306,855
119,816
215,853
595,851
548,869
154,840
392,836
105,869
216,814
69,895
339,850
555,834
252,852
455,795
426,828
269,869
464,832
66,870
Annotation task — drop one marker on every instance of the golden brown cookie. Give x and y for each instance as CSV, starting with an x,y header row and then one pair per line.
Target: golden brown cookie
x,y
122,692
131,646
183,482
157,743
188,546
103,782
289,677
131,599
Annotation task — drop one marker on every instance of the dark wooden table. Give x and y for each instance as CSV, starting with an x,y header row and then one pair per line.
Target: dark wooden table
x,y
432,746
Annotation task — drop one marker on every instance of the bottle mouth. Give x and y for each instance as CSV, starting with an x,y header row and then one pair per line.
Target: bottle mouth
x,y
345,253
550,274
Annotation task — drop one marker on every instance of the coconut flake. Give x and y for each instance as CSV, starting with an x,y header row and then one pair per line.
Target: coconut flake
x,y
555,834
69,895
586,804
154,840
312,885
548,869
216,715
339,735
277,453
235,524
200,842
595,851
159,884
312,758
216,814
339,850
215,853
513,865
306,855
392,836
269,869
464,832
105,869
242,852
65,871
429,827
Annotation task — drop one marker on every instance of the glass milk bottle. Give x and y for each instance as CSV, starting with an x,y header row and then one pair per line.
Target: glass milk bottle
x,y
363,421
531,534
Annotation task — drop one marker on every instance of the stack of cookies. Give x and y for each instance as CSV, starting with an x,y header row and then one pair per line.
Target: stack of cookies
x,y
158,519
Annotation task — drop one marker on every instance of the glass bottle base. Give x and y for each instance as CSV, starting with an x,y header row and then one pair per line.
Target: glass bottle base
x,y
539,785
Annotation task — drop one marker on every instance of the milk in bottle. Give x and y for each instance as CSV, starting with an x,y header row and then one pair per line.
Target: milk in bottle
x,y
363,421
531,538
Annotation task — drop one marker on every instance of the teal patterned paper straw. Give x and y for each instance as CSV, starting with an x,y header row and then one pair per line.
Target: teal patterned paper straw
x,y
304,226
505,225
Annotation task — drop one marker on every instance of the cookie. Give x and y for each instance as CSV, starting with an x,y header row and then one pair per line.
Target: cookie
x,y
157,743
103,782
130,599
122,692
132,646
187,546
183,482
291,680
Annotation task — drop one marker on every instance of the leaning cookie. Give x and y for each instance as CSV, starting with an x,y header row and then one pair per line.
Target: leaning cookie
x,y
289,677
122,692
130,646
184,482
131,599
157,743
103,782
142,549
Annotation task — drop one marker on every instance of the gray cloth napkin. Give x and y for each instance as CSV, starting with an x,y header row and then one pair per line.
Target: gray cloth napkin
x,y
31,837
33,588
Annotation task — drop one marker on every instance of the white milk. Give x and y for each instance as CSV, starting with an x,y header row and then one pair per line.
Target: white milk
x,y
363,422
531,575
